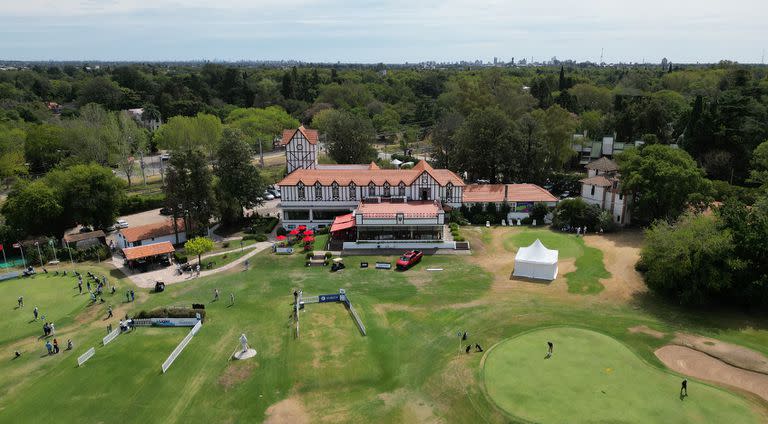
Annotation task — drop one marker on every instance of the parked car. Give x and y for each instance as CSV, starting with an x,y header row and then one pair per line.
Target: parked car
x,y
121,223
269,196
565,194
275,193
165,156
409,258
166,211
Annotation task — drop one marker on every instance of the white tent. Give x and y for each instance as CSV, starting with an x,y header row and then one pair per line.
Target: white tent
x,y
536,261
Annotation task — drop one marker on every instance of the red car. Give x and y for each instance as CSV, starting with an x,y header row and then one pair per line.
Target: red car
x,y
409,258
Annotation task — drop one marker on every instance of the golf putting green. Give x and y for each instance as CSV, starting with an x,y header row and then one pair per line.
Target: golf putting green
x,y
594,378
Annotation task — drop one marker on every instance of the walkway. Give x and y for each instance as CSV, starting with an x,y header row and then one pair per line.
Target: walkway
x,y
168,275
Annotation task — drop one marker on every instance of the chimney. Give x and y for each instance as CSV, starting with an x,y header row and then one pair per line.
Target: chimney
x,y
506,192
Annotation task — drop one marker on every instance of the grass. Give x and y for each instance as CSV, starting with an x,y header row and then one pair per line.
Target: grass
x,y
405,370
592,375
588,260
219,261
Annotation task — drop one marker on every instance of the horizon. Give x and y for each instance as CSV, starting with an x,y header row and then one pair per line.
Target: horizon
x,y
382,31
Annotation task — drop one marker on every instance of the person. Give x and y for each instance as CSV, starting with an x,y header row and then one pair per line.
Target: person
x,y
35,312
215,294
231,298
46,329
69,344
45,271
478,348
464,336
88,285
550,347
246,264
49,347
114,289
684,388
55,346
16,354
469,347
133,295
109,311
21,301
197,269
127,295
80,286
53,329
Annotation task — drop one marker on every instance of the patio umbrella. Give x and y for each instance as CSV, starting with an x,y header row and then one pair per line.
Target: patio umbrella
x,y
302,227
309,233
294,232
281,238
308,239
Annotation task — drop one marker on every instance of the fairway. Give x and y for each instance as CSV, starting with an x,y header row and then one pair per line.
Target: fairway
x,y
594,378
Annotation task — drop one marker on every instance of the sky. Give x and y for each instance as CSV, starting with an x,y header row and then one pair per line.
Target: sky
x,y
389,31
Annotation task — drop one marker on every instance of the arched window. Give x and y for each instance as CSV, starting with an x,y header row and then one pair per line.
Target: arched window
x,y
387,193
401,189
301,192
371,189
449,192
335,190
318,191
352,191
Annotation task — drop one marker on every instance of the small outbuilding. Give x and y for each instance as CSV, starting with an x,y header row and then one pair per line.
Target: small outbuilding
x,y
536,261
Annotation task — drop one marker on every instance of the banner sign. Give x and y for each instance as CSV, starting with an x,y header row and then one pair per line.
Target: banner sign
x,y
523,207
174,322
284,250
329,298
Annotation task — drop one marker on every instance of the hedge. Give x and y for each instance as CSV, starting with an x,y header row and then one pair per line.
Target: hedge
x,y
141,203
257,237
171,313
263,225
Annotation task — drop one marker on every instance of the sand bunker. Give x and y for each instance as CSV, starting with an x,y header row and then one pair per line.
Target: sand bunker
x,y
287,411
700,365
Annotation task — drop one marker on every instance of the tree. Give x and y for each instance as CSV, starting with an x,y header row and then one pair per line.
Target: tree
x,y
591,97
198,246
131,140
34,209
688,261
759,172
90,194
101,90
539,211
483,145
189,190
348,136
558,126
201,132
12,151
576,213
261,125
663,179
239,183
44,147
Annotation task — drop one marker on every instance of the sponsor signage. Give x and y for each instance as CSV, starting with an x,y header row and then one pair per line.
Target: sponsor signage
x,y
329,298
284,250
174,322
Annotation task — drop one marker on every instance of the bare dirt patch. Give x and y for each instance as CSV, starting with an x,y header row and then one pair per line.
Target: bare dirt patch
x,y
412,407
236,373
621,252
287,411
700,365
644,329
738,356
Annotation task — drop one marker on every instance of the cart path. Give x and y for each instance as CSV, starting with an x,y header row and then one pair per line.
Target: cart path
x,y
169,275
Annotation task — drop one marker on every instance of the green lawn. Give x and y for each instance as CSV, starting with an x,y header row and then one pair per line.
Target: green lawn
x,y
589,261
592,377
218,261
405,370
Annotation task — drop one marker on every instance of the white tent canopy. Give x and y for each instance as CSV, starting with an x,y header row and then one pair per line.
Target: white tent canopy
x,y
536,261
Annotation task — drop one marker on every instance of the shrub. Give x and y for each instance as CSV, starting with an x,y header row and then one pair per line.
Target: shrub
x,y
257,237
225,244
539,211
310,254
141,203
458,238
527,221
328,255
171,313
324,230
180,259
282,231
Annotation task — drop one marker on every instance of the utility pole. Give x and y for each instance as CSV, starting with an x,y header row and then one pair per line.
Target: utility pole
x,y
141,165
39,253
261,153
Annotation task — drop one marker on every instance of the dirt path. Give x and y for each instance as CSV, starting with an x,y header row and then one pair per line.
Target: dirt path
x,y
287,411
700,365
621,252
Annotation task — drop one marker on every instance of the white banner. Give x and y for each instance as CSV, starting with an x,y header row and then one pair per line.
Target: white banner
x,y
174,322
176,352
86,356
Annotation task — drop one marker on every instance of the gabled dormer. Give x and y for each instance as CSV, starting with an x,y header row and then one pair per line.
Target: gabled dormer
x,y
300,148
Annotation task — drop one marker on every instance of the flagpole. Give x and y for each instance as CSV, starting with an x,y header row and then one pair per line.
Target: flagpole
x,y
70,253
4,258
39,253
53,247
24,261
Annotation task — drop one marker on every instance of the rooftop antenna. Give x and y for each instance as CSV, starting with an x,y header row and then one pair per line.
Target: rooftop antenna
x,y
601,55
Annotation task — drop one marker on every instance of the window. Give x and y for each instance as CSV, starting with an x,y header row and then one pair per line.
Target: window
x,y
371,189
318,191
300,189
387,192
424,179
621,196
593,191
401,189
449,192
335,191
618,218
299,146
352,191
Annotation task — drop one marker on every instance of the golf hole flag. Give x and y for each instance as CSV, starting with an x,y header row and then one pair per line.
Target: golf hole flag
x,y
17,245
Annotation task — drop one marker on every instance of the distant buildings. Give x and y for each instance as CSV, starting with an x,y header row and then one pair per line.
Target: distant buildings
x,y
602,187
149,122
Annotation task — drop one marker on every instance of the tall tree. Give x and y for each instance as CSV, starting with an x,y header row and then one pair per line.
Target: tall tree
x,y
484,142
188,189
239,183
348,136
131,140
201,133
89,194
34,208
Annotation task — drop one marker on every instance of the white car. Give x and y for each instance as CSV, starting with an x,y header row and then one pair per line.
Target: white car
x,y
269,196
121,223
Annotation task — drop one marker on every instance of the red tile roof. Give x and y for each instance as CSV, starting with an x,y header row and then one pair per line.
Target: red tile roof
x,y
309,134
597,180
343,222
409,210
75,237
362,177
133,253
144,232
482,193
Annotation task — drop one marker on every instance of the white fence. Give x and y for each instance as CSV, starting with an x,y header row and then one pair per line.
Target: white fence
x,y
86,356
111,336
176,352
358,321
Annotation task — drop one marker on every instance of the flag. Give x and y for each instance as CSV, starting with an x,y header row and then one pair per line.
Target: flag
x,y
1,247
17,245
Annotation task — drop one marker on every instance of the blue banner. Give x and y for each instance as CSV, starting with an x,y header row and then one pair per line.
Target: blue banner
x,y
329,298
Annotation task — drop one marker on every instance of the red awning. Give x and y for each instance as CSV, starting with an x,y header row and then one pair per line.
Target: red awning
x,y
281,238
156,249
343,222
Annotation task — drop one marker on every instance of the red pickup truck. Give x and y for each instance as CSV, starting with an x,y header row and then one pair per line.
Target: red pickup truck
x,y
409,258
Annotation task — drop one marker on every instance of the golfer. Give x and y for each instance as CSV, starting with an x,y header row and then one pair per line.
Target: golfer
x,y
684,388
550,347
